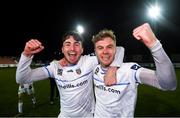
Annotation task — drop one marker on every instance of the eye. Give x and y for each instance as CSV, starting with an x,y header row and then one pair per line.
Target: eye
x,y
110,46
67,44
99,47
77,44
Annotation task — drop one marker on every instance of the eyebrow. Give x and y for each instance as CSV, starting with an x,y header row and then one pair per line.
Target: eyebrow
x,y
70,42
106,46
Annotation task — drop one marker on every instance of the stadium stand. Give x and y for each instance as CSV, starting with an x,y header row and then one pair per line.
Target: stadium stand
x,y
8,62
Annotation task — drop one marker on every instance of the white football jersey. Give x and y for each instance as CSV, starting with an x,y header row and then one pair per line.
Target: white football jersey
x,y
74,82
118,100
75,86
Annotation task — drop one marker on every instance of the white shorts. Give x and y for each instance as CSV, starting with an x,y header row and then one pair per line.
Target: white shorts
x,y
29,89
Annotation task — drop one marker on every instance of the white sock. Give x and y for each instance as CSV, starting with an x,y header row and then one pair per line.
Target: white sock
x,y
20,105
34,100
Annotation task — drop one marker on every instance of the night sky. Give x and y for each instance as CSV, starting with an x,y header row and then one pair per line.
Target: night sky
x,y
49,20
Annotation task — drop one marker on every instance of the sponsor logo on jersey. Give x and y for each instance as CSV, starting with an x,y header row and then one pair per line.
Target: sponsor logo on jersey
x,y
108,89
78,71
59,71
70,71
73,85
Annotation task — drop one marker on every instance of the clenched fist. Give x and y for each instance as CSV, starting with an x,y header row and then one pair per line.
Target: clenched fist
x,y
32,47
145,34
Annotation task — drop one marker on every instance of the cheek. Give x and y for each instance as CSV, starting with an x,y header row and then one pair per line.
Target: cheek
x,y
82,50
98,53
64,50
113,51
79,51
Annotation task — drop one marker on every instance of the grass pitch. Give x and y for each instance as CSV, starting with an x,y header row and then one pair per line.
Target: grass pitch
x,y
150,102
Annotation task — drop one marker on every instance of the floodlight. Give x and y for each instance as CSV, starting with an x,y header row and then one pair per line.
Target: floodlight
x,y
80,29
154,11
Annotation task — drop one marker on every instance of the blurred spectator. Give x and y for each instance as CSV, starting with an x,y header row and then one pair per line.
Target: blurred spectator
x,y
23,90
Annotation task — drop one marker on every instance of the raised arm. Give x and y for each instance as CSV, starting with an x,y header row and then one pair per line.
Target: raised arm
x,y
164,76
110,77
24,74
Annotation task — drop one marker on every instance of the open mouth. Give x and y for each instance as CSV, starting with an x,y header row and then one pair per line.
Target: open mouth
x,y
106,58
72,56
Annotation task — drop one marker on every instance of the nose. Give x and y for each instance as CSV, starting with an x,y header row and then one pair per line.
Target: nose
x,y
72,47
105,51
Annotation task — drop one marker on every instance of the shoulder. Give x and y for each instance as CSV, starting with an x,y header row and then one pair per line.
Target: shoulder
x,y
91,55
135,66
89,59
54,62
131,66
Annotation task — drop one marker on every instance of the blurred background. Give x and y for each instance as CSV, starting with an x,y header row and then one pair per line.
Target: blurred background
x,y
49,20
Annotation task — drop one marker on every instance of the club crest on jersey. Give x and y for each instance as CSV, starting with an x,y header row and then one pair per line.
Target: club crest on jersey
x,y
97,70
59,71
78,71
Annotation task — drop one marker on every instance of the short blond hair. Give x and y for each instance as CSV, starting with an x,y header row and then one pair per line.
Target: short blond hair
x,y
103,34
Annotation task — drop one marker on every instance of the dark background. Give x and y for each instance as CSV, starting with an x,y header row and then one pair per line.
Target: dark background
x,y
49,20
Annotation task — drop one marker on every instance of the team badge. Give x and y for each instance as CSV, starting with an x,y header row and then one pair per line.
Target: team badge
x,y
97,70
59,71
78,71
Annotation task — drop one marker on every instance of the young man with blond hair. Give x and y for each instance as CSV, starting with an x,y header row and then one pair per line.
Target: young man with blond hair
x,y
119,100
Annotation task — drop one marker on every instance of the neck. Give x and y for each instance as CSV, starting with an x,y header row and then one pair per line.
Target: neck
x,y
104,68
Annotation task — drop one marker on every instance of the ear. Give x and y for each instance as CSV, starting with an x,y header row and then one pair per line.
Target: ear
x,y
95,51
82,50
62,49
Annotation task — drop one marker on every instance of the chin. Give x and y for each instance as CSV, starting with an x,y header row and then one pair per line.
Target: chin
x,y
73,62
105,64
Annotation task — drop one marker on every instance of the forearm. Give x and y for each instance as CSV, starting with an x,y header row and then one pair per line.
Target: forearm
x,y
24,74
110,77
164,75
164,68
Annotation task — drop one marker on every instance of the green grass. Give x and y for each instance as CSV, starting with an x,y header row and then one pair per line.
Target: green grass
x,y
154,102
150,101
9,98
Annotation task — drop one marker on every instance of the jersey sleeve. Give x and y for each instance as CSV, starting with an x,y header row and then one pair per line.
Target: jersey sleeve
x,y
164,76
90,59
119,56
148,77
24,73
